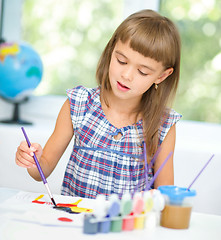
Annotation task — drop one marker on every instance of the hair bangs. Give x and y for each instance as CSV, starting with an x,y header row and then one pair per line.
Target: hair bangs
x,y
151,40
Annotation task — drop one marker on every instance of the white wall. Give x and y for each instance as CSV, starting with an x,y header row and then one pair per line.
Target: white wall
x,y
42,112
196,142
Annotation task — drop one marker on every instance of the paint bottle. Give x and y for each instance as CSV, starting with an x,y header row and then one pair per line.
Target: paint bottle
x,y
126,211
104,225
158,201
138,210
89,226
158,204
148,206
100,209
116,223
100,212
148,201
114,211
113,205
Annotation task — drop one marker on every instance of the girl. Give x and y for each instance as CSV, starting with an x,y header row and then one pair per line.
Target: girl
x,y
137,76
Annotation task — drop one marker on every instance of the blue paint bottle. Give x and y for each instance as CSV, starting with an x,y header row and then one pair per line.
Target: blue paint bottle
x,y
104,225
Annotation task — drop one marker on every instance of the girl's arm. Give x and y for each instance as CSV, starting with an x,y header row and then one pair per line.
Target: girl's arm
x,y
54,148
166,176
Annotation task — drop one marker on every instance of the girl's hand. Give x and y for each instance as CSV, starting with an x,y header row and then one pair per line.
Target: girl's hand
x,y
24,155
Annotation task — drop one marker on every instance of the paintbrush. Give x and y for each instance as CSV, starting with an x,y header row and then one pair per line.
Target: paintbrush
x,y
39,168
158,171
200,172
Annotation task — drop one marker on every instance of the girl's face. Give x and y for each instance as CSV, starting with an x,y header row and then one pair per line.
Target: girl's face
x,y
131,74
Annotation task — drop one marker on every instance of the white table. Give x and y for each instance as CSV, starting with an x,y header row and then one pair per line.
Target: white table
x,y
202,226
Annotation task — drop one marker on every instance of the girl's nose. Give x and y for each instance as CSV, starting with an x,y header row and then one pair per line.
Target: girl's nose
x,y
127,73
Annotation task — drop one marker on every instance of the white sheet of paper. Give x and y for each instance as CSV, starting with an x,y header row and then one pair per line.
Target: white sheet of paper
x,y
20,208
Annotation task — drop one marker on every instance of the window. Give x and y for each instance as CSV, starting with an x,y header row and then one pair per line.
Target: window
x,y
70,38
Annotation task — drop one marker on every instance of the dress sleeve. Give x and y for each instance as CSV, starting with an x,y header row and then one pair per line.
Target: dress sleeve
x,y
172,118
78,98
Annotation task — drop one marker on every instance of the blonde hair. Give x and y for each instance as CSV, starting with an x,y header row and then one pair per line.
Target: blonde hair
x,y
154,36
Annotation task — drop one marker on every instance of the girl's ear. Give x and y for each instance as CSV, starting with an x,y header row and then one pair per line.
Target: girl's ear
x,y
164,75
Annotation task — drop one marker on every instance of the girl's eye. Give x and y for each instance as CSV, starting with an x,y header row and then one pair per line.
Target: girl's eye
x,y
142,73
121,62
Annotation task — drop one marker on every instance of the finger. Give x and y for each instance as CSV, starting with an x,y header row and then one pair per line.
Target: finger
x,y
35,147
25,148
21,164
24,160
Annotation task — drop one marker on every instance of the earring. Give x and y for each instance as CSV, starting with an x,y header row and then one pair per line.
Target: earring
x,y
156,86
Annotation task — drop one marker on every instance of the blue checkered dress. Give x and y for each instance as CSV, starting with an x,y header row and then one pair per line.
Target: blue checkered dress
x,y
99,163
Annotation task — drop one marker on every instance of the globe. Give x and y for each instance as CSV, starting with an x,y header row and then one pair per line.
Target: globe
x,y
21,71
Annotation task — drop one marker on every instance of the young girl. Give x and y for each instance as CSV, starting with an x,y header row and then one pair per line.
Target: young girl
x,y
137,75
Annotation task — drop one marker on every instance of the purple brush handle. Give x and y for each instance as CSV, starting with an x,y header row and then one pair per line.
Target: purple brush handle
x,y
200,172
35,158
158,171
146,169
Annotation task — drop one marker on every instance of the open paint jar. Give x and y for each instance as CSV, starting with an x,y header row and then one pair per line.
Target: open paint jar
x,y
178,206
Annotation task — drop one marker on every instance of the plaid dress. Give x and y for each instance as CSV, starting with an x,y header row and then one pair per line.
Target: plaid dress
x,y
99,163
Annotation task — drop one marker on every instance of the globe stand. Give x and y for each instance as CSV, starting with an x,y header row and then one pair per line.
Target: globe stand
x,y
16,113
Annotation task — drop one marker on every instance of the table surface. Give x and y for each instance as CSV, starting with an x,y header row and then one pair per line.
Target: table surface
x,y
202,226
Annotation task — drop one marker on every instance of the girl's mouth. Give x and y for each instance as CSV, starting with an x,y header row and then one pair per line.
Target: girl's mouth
x,y
122,87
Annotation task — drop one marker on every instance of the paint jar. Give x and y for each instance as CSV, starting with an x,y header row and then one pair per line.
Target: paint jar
x,y
128,222
90,224
116,224
105,225
139,221
178,206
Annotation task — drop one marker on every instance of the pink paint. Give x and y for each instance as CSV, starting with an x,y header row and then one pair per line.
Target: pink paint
x,y
138,206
